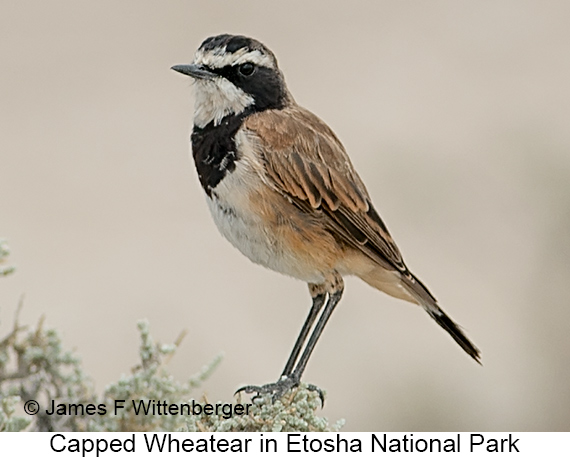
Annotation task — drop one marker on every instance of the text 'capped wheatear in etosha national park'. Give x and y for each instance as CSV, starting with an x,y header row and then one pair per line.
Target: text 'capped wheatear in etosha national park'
x,y
281,188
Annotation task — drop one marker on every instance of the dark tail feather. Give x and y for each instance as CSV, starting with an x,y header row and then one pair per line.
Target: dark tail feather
x,y
456,333
428,302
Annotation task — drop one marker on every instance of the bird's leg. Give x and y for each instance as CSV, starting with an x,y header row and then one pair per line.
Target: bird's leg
x,y
319,295
291,377
333,300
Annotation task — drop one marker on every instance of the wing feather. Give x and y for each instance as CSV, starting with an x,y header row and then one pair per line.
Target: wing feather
x,y
305,161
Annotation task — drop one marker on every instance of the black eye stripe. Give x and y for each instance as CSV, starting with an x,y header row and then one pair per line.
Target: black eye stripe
x,y
232,72
264,84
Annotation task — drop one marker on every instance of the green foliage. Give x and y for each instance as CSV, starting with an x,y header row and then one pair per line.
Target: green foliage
x,y
149,381
294,412
4,252
34,366
9,422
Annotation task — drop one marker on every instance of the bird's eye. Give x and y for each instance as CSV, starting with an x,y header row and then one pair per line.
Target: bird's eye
x,y
246,69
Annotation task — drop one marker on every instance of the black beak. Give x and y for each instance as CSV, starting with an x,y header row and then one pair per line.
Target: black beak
x,y
196,71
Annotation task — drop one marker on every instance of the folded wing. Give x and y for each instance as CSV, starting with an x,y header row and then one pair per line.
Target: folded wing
x,y
305,161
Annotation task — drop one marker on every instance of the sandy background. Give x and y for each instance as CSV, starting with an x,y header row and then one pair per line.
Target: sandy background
x,y
456,115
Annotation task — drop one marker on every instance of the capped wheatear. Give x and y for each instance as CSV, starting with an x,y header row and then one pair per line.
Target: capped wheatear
x,y
281,188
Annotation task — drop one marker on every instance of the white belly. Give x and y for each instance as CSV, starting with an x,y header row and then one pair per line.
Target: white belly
x,y
245,231
253,236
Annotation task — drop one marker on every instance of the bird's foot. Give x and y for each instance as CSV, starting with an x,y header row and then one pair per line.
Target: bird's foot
x,y
276,390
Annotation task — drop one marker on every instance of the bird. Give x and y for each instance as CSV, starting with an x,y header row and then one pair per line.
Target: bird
x,y
281,188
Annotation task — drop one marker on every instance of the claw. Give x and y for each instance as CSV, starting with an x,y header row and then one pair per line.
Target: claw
x,y
314,388
277,389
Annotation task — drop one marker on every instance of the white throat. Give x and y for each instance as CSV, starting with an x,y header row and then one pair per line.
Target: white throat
x,y
216,99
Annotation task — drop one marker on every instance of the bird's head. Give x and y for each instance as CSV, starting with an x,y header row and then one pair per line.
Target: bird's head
x,y
232,74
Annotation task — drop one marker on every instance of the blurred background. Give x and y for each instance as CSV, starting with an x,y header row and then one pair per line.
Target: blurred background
x,y
456,115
